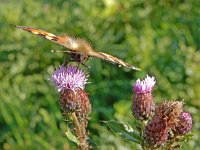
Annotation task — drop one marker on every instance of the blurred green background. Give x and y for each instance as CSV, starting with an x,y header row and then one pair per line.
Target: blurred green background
x,y
160,37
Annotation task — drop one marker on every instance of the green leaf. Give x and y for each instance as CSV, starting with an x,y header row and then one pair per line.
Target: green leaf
x,y
124,130
72,137
186,137
92,142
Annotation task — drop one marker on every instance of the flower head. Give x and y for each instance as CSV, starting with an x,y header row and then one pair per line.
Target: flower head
x,y
143,104
144,86
185,123
69,77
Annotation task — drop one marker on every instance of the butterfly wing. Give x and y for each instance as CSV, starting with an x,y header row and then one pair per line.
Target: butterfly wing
x,y
112,59
77,45
62,40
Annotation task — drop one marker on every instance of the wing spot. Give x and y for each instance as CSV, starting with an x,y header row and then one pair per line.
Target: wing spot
x,y
35,32
50,34
49,38
42,35
55,38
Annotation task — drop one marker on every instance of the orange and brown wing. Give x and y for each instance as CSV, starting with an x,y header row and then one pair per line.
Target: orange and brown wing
x,y
62,40
112,59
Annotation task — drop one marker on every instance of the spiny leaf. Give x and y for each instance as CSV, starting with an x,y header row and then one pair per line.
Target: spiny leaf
x,y
124,130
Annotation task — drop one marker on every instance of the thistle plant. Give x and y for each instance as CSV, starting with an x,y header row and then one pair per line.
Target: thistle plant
x,y
161,126
74,101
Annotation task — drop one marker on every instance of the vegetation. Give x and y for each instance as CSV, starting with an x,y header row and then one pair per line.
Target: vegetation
x,y
160,37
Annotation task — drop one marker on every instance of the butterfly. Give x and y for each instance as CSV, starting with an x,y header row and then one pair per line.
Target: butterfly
x,y
78,49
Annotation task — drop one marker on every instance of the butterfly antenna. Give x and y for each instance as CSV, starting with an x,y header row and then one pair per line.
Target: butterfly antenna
x,y
58,51
62,51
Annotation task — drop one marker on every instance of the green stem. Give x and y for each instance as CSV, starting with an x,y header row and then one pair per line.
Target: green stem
x,y
80,133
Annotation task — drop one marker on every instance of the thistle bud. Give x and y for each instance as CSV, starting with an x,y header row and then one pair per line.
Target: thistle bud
x,y
169,112
184,124
143,104
70,82
156,132
75,101
166,117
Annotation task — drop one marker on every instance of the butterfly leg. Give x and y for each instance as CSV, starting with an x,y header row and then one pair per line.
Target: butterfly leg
x,y
81,64
85,65
67,59
77,67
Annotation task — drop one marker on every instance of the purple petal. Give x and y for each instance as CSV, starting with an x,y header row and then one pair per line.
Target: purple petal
x,y
69,77
144,86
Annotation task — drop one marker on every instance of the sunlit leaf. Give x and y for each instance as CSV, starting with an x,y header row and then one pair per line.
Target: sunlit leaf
x,y
72,137
124,130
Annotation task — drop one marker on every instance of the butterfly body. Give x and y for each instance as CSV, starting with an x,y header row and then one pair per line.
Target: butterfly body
x,y
79,57
79,49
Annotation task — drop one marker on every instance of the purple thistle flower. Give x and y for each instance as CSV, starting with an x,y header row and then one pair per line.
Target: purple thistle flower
x,y
74,101
144,86
143,104
69,77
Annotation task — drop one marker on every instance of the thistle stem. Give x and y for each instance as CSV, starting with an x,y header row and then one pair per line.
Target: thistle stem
x,y
80,133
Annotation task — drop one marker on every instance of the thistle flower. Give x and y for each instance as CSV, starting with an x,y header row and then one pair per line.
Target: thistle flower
x,y
184,124
74,102
70,82
143,104
69,78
